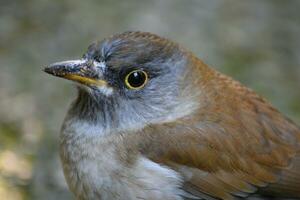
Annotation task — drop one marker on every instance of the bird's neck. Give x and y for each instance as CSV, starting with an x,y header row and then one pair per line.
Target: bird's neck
x,y
90,111
89,107
99,116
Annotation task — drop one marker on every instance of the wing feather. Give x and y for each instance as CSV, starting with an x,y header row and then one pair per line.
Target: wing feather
x,y
227,150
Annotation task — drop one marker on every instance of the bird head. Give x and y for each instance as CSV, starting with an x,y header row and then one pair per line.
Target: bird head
x,y
131,78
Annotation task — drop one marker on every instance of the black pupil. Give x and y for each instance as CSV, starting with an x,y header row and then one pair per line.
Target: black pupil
x,y
136,79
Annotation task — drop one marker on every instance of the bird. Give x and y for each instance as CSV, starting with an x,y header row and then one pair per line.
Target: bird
x,y
152,121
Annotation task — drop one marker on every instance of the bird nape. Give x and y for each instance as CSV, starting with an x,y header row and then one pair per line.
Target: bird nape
x,y
152,121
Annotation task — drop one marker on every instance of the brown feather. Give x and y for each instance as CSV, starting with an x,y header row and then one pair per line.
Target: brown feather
x,y
236,144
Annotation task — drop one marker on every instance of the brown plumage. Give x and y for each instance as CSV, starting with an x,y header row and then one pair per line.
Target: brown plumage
x,y
236,144
230,144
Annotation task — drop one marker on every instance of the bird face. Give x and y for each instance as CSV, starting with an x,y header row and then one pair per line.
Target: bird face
x,y
136,77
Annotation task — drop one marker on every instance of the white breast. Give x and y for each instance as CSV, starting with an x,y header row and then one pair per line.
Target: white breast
x,y
93,170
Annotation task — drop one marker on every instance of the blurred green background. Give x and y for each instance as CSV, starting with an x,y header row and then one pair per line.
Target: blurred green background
x,y
256,42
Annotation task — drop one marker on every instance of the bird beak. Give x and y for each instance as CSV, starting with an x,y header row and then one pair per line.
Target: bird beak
x,y
82,71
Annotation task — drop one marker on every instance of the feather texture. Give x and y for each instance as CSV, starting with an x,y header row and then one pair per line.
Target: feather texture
x,y
236,145
190,133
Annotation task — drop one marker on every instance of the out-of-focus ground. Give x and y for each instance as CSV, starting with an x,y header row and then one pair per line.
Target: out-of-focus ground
x,y
256,42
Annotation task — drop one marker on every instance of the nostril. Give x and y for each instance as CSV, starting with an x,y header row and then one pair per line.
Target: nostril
x,y
98,58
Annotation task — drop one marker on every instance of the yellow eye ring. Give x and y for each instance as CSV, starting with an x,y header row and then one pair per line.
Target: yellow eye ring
x,y
136,79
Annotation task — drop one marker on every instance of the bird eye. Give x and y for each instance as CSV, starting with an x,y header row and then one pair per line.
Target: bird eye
x,y
136,79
